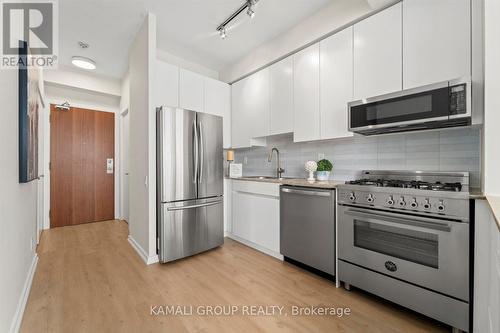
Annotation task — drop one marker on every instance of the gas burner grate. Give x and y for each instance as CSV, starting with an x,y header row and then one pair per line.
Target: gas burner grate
x,y
412,184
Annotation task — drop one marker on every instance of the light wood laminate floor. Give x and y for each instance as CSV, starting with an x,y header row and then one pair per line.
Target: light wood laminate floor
x,y
89,279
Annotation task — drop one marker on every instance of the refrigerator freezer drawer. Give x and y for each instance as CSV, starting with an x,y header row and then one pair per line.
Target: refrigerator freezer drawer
x,y
190,227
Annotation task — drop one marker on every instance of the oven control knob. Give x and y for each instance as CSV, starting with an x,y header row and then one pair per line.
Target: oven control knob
x,y
352,197
440,206
414,203
402,202
391,266
370,198
390,201
427,204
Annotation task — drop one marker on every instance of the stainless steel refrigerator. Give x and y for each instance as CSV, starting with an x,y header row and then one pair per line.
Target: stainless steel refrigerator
x,y
190,183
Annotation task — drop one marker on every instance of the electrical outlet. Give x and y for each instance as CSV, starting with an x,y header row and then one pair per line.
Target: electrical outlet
x,y
245,160
321,156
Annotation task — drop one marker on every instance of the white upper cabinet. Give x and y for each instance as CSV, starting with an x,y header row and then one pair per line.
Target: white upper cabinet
x,y
240,115
250,110
218,102
306,94
166,88
257,100
191,91
336,80
281,97
378,53
436,41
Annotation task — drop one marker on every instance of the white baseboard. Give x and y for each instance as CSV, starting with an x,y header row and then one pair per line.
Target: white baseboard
x,y
142,253
18,316
255,246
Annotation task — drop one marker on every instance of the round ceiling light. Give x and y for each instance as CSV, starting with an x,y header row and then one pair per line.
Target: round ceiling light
x,y
83,62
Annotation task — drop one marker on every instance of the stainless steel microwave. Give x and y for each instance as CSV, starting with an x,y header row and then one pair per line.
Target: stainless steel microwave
x,y
445,104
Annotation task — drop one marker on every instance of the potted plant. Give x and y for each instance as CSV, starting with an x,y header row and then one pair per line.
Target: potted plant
x,y
324,169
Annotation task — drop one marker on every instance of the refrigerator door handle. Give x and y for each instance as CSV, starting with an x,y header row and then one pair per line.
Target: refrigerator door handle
x,y
211,203
195,151
202,151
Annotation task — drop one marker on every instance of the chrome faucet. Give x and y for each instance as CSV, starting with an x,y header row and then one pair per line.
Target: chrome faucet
x,y
279,169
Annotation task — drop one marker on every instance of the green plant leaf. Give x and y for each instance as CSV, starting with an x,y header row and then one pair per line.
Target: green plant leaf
x,y
325,165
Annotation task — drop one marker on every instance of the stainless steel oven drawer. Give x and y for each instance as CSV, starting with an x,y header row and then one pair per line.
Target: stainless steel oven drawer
x,y
446,309
427,252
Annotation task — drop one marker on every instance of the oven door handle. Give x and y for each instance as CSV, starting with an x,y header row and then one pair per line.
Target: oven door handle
x,y
413,221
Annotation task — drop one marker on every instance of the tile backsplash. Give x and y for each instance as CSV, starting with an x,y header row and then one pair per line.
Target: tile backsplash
x,y
439,150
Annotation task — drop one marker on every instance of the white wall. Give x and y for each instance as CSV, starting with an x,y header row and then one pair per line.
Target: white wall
x,y
18,210
142,184
84,91
492,103
182,63
84,80
125,93
331,18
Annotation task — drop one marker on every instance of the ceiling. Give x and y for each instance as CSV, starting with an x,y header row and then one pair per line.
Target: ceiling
x,y
185,28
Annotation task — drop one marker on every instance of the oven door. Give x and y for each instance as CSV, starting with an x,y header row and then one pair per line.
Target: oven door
x,y
427,252
430,104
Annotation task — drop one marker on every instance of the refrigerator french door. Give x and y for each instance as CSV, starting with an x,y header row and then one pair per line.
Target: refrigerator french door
x,y
190,183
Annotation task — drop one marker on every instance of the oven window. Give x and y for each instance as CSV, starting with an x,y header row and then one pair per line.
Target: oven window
x,y
416,246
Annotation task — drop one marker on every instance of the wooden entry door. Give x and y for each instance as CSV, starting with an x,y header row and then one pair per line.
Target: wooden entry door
x,y
81,186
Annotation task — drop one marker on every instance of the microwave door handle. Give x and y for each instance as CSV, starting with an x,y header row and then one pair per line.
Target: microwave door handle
x,y
413,221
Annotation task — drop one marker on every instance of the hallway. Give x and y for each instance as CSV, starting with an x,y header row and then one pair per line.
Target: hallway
x,y
89,279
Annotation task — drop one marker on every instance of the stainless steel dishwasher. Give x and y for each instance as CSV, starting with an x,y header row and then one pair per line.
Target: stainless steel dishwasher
x,y
307,226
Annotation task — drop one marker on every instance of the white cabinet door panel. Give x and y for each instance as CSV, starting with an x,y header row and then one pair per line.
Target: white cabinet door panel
x,y
436,41
191,91
166,87
336,84
281,96
240,129
378,54
306,94
256,219
256,98
218,102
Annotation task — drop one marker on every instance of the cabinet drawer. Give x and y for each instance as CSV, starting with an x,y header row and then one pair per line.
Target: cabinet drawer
x,y
261,188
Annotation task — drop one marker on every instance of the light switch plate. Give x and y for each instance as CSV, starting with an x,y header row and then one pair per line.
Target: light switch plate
x,y
321,156
109,166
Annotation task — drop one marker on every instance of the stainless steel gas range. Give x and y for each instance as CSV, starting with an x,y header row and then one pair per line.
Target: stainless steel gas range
x,y
405,237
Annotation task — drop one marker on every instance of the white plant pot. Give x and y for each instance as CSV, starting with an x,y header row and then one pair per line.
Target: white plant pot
x,y
323,175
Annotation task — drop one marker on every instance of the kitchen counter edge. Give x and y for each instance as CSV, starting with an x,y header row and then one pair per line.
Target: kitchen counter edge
x,y
330,184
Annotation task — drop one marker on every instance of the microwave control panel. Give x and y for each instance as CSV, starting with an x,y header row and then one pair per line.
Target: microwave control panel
x,y
458,99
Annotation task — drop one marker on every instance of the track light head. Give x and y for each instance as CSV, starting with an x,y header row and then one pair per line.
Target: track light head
x,y
222,32
250,12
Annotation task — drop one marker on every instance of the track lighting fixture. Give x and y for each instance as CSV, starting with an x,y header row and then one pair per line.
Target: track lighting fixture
x,y
222,33
249,5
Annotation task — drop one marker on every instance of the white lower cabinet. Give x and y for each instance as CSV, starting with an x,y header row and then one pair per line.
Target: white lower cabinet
x,y
486,270
255,215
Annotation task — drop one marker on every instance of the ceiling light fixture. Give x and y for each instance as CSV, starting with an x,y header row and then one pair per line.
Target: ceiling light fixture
x,y
249,5
83,62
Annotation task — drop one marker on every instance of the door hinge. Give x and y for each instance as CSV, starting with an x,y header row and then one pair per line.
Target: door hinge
x,y
50,213
50,166
158,243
